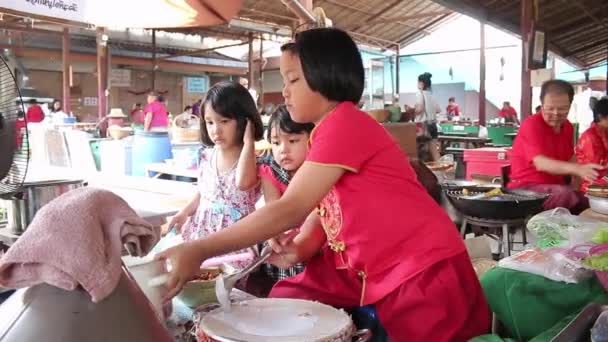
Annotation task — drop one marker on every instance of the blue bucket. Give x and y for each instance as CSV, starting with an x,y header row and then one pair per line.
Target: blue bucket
x,y
148,148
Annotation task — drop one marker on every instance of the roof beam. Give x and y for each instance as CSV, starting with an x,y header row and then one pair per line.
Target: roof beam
x,y
422,29
199,51
380,12
358,10
123,60
587,12
586,47
406,17
464,8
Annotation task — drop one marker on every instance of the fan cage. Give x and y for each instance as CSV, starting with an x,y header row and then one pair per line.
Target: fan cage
x,y
13,113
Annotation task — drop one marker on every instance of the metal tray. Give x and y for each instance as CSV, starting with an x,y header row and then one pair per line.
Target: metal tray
x,y
579,329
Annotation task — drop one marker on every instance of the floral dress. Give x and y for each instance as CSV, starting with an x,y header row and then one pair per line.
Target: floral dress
x,y
221,204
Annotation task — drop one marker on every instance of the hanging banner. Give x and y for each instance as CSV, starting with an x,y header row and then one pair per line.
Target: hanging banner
x,y
73,10
131,13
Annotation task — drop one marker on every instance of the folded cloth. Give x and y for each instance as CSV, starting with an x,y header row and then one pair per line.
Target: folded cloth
x,y
77,239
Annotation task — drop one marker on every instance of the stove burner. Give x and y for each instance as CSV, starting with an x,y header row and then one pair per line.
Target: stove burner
x,y
499,230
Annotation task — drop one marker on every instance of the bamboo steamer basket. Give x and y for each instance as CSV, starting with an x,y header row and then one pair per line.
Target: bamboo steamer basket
x,y
186,134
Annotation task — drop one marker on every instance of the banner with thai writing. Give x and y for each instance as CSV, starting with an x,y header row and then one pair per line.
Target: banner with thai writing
x,y
131,13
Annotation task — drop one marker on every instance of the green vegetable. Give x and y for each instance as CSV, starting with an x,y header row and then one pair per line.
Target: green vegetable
x,y
601,236
548,232
598,262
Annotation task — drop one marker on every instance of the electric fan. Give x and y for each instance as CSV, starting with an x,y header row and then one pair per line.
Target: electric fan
x,y
14,147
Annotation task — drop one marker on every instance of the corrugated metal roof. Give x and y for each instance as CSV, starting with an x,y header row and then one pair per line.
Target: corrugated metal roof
x,y
576,29
378,23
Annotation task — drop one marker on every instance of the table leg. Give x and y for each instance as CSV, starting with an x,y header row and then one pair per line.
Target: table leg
x,y
506,245
463,228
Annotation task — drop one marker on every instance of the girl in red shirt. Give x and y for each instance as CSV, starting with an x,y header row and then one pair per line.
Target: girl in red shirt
x,y
289,141
388,244
592,146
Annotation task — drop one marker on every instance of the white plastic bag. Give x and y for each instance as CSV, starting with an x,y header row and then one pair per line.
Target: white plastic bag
x,y
552,264
483,132
557,227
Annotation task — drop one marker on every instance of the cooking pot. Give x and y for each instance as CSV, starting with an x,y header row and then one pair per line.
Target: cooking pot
x,y
25,203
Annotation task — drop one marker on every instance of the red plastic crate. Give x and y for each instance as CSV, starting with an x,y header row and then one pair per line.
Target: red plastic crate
x,y
486,161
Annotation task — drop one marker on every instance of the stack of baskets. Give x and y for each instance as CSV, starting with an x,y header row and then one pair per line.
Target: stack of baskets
x,y
186,128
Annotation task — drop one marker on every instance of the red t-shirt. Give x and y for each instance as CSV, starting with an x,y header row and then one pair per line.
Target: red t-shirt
x,y
592,147
536,138
379,220
453,109
34,114
160,117
509,112
266,172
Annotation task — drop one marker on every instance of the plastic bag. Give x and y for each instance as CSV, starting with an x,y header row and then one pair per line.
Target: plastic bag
x,y
599,332
483,132
559,228
552,264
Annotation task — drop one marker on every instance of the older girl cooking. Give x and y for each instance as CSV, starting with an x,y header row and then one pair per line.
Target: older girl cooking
x,y
388,243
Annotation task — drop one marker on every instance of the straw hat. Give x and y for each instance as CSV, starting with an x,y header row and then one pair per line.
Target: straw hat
x,y
116,113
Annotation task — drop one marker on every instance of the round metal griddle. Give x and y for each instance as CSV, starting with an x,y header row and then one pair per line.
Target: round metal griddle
x,y
514,204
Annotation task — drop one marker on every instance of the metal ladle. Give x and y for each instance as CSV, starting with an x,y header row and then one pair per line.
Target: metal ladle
x,y
224,285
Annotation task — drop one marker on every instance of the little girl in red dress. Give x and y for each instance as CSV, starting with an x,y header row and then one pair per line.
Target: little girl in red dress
x,y
388,244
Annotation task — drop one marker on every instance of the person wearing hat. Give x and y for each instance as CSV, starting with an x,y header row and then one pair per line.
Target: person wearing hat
x,y
116,117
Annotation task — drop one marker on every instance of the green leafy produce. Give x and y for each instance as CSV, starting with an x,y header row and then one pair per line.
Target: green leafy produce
x,y
601,236
548,231
598,262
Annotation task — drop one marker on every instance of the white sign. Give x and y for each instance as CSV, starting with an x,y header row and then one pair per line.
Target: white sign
x,y
73,10
90,101
120,78
129,13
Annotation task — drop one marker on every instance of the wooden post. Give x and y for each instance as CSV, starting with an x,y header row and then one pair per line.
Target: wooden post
x,y
482,73
397,70
102,74
153,59
261,76
250,62
526,81
65,62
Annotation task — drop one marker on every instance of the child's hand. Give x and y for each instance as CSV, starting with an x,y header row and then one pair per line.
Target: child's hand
x,y
185,260
248,137
177,222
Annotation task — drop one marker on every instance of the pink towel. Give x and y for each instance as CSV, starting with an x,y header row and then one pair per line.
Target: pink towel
x,y
77,239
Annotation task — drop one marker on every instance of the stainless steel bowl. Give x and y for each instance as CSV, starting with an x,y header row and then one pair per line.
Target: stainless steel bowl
x,y
27,201
598,204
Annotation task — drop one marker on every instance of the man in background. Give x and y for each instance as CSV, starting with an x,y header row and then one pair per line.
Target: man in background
x,y
34,112
508,113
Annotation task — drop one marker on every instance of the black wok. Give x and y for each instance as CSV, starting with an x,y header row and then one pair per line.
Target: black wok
x,y
515,204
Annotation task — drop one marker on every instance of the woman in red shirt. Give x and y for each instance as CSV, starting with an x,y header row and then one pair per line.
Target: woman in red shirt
x,y
592,146
386,242
452,109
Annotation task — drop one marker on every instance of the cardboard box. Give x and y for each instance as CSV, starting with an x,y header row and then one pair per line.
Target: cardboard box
x,y
405,134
